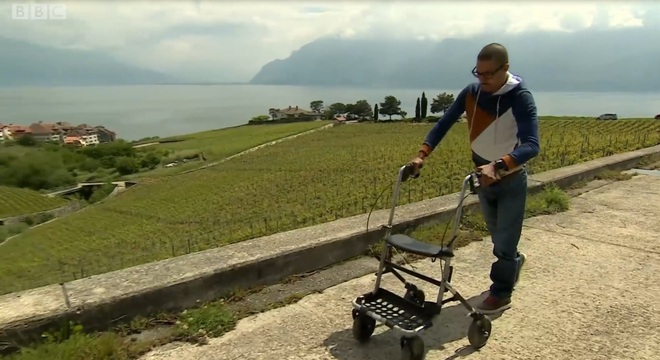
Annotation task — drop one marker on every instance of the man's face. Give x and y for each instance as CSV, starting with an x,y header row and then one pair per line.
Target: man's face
x,y
491,75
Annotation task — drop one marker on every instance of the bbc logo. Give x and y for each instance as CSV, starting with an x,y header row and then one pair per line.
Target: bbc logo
x,y
38,11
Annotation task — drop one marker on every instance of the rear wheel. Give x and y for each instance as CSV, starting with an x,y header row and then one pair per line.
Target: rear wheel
x,y
363,328
412,348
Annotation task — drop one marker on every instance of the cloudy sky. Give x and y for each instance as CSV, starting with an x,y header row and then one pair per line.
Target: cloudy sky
x,y
226,40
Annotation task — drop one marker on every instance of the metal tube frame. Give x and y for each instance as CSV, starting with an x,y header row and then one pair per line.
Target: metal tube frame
x,y
386,252
386,266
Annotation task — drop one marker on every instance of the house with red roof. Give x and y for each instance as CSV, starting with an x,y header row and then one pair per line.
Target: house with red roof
x,y
296,113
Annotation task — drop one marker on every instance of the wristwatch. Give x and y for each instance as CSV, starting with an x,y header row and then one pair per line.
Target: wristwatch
x,y
501,165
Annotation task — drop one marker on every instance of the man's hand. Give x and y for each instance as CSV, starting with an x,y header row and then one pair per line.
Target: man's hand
x,y
489,174
417,163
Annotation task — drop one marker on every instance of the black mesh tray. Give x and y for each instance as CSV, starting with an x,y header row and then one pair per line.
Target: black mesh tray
x,y
396,311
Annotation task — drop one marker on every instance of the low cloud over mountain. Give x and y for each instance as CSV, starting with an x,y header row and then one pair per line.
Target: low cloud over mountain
x,y
587,60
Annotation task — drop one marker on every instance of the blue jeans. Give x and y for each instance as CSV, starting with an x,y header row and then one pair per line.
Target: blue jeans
x,y
503,207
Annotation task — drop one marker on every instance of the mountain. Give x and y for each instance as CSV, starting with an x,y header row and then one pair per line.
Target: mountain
x,y
23,63
588,60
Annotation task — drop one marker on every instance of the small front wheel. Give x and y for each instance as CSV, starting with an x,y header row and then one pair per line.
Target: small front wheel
x,y
415,295
479,331
412,348
363,328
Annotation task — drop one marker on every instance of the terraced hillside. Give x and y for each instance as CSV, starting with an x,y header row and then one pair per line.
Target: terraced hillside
x,y
308,180
219,144
16,201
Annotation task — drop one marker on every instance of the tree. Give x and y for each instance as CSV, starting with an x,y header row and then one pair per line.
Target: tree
x,y
259,119
425,105
127,165
150,161
376,113
442,102
316,106
26,140
362,108
334,109
337,108
417,110
44,171
391,106
114,149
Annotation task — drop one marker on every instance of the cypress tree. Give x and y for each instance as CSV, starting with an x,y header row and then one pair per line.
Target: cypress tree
x,y
424,105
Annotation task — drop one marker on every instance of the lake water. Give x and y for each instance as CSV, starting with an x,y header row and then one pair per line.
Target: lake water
x,y
139,111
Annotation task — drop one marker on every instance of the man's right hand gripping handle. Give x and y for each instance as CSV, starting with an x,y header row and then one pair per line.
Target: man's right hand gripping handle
x,y
418,162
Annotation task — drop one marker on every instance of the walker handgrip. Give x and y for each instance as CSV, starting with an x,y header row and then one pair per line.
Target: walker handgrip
x,y
474,181
408,172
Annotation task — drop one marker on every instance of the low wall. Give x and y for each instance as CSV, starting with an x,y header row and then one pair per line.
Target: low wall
x,y
188,280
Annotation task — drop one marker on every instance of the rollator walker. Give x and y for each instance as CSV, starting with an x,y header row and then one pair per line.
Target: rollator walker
x,y
411,314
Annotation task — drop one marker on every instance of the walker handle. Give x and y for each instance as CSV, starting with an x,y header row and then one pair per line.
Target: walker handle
x,y
409,172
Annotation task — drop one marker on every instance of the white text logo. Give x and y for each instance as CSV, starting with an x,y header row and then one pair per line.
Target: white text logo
x,y
38,12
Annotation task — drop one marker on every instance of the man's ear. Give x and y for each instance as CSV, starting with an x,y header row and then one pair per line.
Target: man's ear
x,y
506,67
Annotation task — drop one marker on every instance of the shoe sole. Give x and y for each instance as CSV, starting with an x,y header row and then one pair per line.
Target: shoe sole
x,y
495,311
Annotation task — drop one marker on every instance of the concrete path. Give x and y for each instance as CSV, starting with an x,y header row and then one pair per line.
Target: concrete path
x,y
590,290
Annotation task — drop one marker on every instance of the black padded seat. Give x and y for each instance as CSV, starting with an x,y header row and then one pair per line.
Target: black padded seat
x,y
410,245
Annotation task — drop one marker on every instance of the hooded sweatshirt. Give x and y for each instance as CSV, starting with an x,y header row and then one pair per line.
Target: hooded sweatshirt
x,y
502,125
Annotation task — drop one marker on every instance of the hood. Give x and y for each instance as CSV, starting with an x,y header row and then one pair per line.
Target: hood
x,y
511,83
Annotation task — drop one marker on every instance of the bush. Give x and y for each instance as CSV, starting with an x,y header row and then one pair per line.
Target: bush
x,y
127,165
44,171
150,160
101,193
90,165
45,166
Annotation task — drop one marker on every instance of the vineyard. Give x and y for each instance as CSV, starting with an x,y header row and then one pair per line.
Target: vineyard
x,y
16,201
312,179
224,142
221,143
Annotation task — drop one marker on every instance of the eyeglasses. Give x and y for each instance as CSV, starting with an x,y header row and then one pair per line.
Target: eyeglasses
x,y
487,74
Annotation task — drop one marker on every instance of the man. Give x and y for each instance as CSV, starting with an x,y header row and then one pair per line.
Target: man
x,y
503,128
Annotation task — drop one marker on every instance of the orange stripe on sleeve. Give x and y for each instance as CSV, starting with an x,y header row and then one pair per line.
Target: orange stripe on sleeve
x,y
508,160
426,150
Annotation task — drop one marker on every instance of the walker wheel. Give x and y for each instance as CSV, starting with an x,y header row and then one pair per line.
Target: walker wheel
x,y
415,295
479,331
412,348
363,327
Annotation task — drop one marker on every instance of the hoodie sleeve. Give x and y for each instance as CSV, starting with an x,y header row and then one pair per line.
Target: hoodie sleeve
x,y
442,127
524,110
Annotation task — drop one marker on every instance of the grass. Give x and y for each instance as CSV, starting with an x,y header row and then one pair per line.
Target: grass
x,y
219,144
16,201
135,338
305,181
125,342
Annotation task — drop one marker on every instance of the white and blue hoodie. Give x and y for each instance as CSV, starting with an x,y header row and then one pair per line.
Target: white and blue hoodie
x,y
502,125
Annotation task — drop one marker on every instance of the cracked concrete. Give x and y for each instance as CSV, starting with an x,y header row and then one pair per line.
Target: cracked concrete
x,y
589,291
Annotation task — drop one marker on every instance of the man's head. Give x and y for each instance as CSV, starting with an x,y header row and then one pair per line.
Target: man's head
x,y
492,67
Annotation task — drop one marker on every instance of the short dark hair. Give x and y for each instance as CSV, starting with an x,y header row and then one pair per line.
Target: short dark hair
x,y
494,51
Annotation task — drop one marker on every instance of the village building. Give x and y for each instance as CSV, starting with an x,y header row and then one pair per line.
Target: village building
x,y
59,132
296,113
